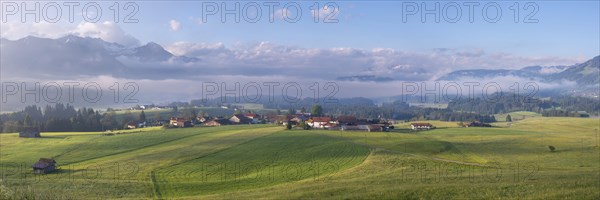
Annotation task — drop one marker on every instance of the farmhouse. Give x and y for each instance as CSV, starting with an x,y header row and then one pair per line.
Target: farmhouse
x,y
420,126
44,165
30,133
217,122
131,125
240,119
319,122
255,118
180,122
279,119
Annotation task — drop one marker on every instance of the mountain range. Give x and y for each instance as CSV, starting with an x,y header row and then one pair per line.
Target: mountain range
x,y
84,56
586,73
74,55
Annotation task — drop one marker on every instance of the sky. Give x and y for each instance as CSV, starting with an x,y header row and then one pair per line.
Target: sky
x,y
319,40
379,24
570,25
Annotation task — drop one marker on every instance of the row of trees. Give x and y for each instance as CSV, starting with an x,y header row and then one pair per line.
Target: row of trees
x,y
59,118
397,110
510,103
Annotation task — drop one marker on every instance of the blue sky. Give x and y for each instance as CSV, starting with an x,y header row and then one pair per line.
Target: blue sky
x,y
565,28
370,39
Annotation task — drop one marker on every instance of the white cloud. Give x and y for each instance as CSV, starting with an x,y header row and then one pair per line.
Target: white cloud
x,y
107,31
17,30
175,25
265,57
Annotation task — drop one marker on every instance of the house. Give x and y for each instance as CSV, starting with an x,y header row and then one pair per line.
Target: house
x,y
30,133
420,126
280,119
201,119
217,122
319,122
44,165
254,117
180,122
240,119
298,119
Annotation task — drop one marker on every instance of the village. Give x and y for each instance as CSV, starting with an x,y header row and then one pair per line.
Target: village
x,y
295,121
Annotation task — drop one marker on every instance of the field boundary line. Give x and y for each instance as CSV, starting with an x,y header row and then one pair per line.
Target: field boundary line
x,y
153,172
142,147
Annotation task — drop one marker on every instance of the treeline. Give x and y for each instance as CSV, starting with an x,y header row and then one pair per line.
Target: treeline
x,y
61,118
562,113
575,104
509,102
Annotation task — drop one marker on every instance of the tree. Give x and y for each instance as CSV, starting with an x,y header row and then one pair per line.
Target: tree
x,y
11,126
289,125
174,111
508,118
109,121
157,116
317,110
27,122
142,117
190,113
127,117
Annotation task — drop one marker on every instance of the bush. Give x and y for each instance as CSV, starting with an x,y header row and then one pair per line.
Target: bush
x,y
552,148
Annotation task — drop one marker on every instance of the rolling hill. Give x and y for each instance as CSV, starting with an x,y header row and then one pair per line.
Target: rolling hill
x,y
254,161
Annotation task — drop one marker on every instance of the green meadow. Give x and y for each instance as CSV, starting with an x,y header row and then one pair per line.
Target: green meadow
x,y
268,162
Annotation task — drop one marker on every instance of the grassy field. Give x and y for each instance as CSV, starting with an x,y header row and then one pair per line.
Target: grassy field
x,y
262,161
516,116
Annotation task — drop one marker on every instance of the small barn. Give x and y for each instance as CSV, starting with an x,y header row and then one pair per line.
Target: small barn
x,y
131,125
375,128
479,124
44,165
29,134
